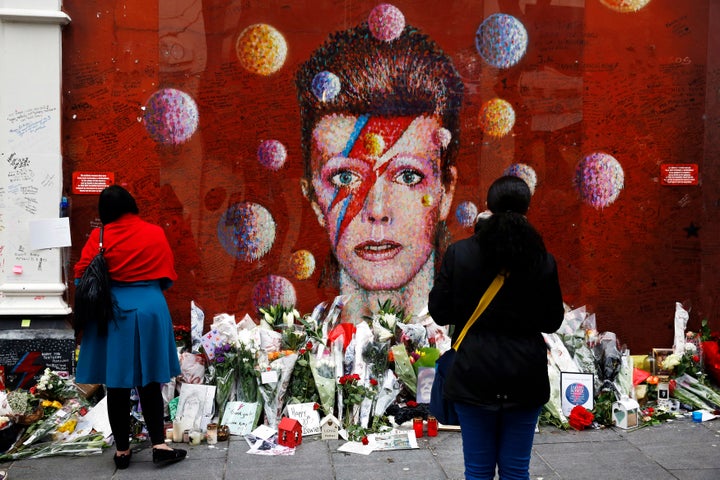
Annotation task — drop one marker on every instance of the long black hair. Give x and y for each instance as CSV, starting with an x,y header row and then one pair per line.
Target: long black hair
x,y
511,241
114,202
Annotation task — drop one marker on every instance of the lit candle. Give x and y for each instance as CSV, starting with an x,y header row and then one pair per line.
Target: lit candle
x,y
195,437
432,426
418,426
212,431
177,431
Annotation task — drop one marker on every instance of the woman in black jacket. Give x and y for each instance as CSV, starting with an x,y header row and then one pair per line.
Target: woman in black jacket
x,y
499,381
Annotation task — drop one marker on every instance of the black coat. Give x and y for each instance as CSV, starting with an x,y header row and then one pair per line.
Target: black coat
x,y
503,358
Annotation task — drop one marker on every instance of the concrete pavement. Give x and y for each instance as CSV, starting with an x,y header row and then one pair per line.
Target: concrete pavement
x,y
679,449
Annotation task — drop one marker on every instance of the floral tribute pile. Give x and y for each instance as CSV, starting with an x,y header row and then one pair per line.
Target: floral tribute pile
x,y
354,372
369,376
663,384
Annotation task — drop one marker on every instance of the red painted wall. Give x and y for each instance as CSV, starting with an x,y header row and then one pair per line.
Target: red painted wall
x,y
639,86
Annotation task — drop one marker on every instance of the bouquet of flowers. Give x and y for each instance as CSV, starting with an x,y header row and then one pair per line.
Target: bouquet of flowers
x,y
273,389
302,387
247,386
52,386
224,363
276,317
183,339
384,322
322,366
353,393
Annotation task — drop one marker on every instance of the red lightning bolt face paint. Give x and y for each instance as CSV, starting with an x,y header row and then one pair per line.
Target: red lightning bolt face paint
x,y
370,177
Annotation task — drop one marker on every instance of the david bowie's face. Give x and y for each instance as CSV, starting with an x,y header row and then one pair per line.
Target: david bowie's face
x,y
379,194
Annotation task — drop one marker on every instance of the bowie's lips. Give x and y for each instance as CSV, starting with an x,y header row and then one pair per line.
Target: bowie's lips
x,y
377,251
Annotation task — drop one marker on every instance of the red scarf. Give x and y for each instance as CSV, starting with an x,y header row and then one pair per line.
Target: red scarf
x,y
135,250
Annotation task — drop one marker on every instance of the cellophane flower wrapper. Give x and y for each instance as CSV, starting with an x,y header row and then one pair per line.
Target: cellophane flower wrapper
x,y
403,368
332,318
313,324
706,393
680,325
225,388
389,389
375,354
553,407
608,357
437,335
247,375
348,361
414,335
53,386
270,340
339,361
192,368
322,365
573,334
226,327
91,444
363,336
197,324
39,430
302,388
624,378
273,393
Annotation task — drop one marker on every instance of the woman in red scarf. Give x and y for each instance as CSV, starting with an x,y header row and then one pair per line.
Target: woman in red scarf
x,y
138,349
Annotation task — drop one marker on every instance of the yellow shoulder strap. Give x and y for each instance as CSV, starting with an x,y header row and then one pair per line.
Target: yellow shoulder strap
x,y
481,306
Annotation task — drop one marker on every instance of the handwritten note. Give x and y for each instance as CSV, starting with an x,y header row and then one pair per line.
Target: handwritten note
x,y
240,417
306,414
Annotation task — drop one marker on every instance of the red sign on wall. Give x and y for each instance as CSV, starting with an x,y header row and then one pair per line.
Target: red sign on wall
x,y
91,183
679,174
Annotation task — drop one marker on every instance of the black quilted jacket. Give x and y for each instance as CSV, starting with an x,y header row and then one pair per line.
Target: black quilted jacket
x,y
503,358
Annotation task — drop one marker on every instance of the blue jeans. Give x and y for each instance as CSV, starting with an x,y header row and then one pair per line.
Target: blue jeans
x,y
499,437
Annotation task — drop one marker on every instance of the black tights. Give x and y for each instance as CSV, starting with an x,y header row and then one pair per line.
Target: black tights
x,y
118,405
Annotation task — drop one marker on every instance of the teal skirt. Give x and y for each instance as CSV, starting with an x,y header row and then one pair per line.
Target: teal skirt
x,y
140,345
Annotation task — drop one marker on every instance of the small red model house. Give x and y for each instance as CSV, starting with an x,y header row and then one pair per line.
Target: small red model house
x,y
289,432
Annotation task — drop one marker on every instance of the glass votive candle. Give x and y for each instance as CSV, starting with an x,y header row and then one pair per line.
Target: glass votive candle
x,y
418,426
432,426
212,431
177,432
195,437
223,433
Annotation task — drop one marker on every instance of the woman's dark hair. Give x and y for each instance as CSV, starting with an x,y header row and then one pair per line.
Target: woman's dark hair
x,y
512,242
114,202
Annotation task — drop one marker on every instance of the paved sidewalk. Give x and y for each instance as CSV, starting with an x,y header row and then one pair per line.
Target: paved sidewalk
x,y
675,450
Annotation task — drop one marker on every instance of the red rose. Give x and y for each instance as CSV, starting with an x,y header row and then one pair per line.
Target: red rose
x,y
696,358
365,440
412,403
373,382
580,417
308,345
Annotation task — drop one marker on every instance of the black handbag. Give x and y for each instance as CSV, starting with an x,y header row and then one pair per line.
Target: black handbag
x,y
441,407
93,297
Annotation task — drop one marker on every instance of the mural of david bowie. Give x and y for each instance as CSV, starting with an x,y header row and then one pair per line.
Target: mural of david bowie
x,y
380,133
